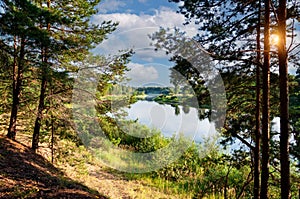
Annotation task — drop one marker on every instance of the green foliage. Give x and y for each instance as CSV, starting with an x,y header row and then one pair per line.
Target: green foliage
x,y
235,22
165,99
188,80
295,115
5,82
202,171
184,100
132,136
186,167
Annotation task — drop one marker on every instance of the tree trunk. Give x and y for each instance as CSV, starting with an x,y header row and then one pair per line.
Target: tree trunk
x,y
52,127
37,125
17,83
266,105
52,140
41,107
284,103
257,116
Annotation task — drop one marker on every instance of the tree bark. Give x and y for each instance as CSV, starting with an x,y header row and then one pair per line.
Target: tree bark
x,y
257,116
284,102
17,83
266,105
37,125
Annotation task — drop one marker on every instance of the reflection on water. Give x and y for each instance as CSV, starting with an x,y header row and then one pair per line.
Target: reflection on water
x,y
171,120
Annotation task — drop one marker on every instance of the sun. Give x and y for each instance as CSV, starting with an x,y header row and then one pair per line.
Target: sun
x,y
275,39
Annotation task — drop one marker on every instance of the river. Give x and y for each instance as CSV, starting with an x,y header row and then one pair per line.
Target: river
x,y
170,121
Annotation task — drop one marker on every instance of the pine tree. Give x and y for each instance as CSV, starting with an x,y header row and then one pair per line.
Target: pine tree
x,y
266,104
19,37
284,101
75,36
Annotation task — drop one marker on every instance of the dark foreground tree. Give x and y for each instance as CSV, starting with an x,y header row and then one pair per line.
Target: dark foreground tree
x,y
284,102
266,104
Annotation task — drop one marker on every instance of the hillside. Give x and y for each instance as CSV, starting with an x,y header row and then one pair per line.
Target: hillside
x,y
24,174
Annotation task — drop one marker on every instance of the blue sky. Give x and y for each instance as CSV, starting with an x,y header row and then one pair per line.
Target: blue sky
x,y
137,19
134,6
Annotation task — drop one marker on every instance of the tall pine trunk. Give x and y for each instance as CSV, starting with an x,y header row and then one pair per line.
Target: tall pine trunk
x,y
284,102
41,106
257,116
266,105
17,83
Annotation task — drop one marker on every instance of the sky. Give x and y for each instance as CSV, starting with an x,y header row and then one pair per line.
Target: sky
x,y
138,19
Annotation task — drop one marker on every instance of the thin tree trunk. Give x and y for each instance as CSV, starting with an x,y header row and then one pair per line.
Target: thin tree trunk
x,y
17,83
257,116
41,107
284,103
37,125
248,181
266,105
52,139
52,129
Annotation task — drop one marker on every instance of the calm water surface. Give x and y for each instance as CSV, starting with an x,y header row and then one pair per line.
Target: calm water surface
x,y
164,118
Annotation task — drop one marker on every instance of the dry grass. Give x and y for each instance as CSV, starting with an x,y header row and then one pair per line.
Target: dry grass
x,y
86,179
24,174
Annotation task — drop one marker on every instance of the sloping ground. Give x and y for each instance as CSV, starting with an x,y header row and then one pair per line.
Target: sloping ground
x,y
24,174
116,186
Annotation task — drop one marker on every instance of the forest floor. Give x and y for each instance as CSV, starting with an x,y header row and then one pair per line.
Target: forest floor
x,y
24,174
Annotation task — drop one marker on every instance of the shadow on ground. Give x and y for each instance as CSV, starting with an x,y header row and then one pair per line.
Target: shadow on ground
x,y
24,174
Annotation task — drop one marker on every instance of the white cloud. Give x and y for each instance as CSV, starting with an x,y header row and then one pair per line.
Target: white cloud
x,y
110,5
140,74
164,17
133,31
